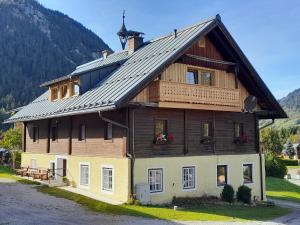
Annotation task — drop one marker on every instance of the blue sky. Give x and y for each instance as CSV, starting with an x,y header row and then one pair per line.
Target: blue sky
x,y
267,31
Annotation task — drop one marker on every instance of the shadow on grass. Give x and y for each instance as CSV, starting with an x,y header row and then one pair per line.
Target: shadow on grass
x,y
203,212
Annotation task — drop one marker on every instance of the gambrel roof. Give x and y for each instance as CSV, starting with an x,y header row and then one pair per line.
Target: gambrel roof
x,y
135,71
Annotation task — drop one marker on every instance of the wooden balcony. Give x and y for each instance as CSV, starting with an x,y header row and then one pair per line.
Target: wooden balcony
x,y
165,91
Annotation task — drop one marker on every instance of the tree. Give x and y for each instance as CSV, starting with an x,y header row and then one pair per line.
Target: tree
x,y
271,140
289,150
12,139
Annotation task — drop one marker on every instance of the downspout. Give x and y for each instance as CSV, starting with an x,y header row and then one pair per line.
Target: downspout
x,y
24,136
260,154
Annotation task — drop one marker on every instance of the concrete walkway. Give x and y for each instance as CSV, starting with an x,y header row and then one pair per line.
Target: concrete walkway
x,y
23,205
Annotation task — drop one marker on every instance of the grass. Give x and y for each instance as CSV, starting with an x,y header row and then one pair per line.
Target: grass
x,y
282,189
203,212
6,172
293,167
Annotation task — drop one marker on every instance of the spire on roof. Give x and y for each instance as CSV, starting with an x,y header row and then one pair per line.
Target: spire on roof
x,y
122,33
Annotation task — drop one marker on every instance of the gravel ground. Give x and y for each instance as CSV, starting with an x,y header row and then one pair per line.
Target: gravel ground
x,y
22,204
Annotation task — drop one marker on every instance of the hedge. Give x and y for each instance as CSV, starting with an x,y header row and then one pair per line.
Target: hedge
x,y
289,162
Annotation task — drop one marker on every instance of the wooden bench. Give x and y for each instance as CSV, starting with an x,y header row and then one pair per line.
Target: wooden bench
x,y
22,170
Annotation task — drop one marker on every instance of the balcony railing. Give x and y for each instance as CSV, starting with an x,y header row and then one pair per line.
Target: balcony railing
x,y
165,91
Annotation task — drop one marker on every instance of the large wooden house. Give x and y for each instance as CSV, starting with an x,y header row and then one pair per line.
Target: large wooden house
x,y
162,118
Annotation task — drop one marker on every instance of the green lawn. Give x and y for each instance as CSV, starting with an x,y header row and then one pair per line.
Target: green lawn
x,y
293,167
282,189
203,212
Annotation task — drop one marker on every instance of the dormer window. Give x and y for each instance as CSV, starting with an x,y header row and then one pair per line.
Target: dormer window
x,y
206,78
54,93
64,91
76,88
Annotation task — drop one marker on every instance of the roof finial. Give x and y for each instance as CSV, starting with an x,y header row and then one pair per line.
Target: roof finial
x,y
122,33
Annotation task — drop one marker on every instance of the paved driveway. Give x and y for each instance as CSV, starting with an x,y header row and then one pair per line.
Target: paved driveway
x,y
22,204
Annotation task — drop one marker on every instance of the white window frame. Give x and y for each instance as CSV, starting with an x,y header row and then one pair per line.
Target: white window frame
x,y
35,162
194,178
162,180
87,186
109,167
227,172
252,165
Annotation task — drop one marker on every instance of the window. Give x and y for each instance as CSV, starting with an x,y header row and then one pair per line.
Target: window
x,y
247,173
33,163
238,130
35,134
84,174
207,129
155,180
202,43
107,179
81,135
161,128
192,77
54,93
206,78
221,175
108,131
54,133
188,177
64,91
76,88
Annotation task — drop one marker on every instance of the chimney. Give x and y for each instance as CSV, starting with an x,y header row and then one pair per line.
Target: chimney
x,y
135,40
105,53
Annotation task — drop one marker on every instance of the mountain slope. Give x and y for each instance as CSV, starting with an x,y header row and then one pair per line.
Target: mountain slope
x,y
291,105
38,44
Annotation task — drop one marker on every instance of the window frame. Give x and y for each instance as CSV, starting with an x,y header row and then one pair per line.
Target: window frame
x,y
35,162
211,83
194,178
35,134
226,175
165,128
110,168
241,129
81,131
62,89
252,175
196,76
54,89
108,126
162,180
210,131
76,83
86,186
54,135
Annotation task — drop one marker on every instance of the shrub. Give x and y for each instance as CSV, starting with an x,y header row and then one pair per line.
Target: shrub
x,y
289,162
275,167
244,194
227,194
193,201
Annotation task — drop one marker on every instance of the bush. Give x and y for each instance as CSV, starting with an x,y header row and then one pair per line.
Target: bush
x,y
227,194
289,162
193,201
275,167
244,194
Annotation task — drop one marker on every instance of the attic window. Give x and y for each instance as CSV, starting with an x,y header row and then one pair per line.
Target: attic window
x,y
202,43
76,88
64,91
54,93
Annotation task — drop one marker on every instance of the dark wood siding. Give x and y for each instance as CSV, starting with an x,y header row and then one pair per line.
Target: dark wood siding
x,y
40,146
223,129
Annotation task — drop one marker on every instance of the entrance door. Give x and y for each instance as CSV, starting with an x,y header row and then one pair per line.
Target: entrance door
x,y
61,169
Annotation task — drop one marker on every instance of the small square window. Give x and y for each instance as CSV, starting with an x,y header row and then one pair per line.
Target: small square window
x,y
221,175
248,173
54,134
207,129
188,177
192,77
108,132
82,132
107,179
155,180
84,175
238,130
206,78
